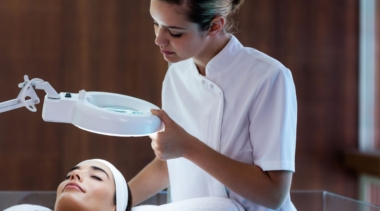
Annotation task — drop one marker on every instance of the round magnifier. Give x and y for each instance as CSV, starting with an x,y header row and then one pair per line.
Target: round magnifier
x,y
104,113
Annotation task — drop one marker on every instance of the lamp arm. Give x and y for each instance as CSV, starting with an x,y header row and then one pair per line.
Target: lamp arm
x,y
50,91
27,90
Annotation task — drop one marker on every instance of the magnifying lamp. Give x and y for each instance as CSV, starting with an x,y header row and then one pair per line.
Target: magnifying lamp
x,y
98,112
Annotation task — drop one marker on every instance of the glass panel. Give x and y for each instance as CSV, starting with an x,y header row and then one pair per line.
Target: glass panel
x,y
42,198
334,202
326,201
303,200
375,194
158,199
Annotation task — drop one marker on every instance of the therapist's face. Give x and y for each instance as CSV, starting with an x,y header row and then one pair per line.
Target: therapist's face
x,y
177,38
89,186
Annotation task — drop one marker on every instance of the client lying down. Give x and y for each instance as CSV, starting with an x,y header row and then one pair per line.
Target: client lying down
x,y
91,185
96,185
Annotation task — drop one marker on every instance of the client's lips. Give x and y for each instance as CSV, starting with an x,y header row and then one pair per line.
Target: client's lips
x,y
73,185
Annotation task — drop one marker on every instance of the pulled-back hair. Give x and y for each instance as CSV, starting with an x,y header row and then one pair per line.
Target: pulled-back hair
x,y
202,12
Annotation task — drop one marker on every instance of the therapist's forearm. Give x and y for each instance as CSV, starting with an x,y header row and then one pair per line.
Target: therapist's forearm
x,y
268,189
152,179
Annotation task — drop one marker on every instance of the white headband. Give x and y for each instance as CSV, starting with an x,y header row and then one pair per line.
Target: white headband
x,y
120,185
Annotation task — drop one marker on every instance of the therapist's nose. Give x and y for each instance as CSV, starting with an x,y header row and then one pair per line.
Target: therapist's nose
x,y
160,37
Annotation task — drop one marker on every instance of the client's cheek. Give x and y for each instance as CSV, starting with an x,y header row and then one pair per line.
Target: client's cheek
x,y
103,196
59,189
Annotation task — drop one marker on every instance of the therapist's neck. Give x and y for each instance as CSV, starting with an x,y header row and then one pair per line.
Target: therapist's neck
x,y
214,46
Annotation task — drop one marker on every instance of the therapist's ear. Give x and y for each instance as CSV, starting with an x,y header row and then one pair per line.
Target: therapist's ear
x,y
217,25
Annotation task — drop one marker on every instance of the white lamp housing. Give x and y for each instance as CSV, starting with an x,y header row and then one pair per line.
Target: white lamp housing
x,y
97,112
103,113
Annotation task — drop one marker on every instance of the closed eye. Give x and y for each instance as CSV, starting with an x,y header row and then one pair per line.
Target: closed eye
x,y
171,34
97,178
175,35
67,177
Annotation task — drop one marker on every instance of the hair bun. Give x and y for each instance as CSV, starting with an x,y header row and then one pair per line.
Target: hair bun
x,y
236,4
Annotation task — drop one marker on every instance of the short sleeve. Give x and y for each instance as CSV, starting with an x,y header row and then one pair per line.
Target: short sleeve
x,y
273,122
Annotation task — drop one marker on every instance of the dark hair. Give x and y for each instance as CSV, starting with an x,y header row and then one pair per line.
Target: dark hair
x,y
129,204
202,12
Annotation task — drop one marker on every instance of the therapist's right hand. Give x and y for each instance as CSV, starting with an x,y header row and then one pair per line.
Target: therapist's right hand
x,y
173,141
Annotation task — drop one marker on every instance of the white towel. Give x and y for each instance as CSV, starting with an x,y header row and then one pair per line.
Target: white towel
x,y
27,207
197,204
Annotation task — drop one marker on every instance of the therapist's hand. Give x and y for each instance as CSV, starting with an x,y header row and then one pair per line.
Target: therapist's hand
x,y
173,141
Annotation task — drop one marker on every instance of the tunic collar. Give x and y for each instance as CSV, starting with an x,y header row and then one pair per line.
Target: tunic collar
x,y
224,58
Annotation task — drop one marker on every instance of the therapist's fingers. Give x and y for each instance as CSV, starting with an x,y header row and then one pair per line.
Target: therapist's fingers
x,y
157,152
169,143
162,115
153,136
154,146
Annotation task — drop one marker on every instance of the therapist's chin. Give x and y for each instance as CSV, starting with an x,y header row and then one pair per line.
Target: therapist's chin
x,y
172,58
69,201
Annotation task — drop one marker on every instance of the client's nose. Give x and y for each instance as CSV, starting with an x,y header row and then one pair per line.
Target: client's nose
x,y
75,176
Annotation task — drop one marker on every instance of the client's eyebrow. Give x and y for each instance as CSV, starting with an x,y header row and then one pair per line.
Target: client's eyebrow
x,y
99,169
95,168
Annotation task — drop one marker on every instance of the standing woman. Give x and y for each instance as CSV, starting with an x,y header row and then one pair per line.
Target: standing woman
x,y
229,111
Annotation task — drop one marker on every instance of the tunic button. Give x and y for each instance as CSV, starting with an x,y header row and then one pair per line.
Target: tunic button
x,y
211,86
203,82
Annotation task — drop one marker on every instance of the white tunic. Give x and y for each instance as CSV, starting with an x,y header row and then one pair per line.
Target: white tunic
x,y
244,108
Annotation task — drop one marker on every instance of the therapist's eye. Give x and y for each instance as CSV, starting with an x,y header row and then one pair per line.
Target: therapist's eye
x,y
175,35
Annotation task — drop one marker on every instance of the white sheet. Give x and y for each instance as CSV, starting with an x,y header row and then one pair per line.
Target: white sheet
x,y
27,207
197,204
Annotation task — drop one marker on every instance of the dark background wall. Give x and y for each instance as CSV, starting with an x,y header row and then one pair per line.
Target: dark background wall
x,y
109,46
318,42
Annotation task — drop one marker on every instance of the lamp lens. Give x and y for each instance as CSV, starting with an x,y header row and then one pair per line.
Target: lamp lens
x,y
122,109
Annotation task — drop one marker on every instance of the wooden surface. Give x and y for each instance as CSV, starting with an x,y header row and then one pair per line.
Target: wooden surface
x,y
109,46
318,42
92,45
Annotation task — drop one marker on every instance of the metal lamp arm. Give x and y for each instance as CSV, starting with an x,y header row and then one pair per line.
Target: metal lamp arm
x,y
27,90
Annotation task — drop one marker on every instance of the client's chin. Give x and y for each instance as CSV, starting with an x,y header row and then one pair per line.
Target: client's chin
x,y
69,201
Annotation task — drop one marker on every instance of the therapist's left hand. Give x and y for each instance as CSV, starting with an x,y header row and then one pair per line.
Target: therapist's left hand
x,y
173,141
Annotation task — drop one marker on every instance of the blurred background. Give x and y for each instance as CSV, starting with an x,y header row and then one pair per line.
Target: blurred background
x,y
108,45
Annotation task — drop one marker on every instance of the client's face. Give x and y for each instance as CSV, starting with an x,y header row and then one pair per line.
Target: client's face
x,y
88,186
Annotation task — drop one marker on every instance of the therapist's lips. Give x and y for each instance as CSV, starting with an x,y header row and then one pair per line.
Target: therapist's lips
x,y
168,53
73,185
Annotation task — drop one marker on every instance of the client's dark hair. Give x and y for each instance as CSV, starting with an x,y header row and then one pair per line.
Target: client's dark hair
x,y
129,205
130,199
